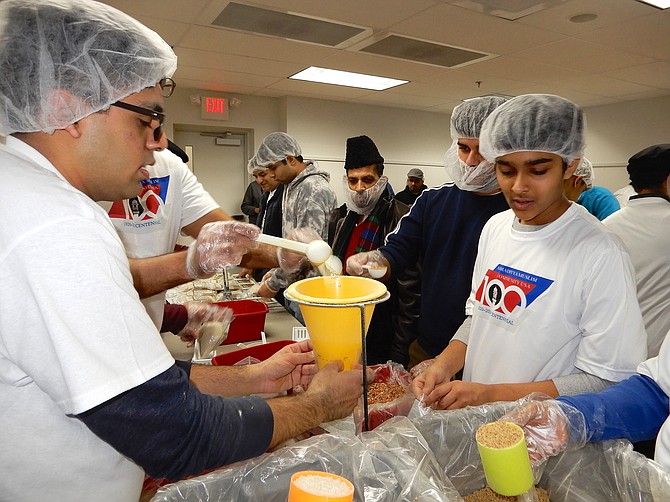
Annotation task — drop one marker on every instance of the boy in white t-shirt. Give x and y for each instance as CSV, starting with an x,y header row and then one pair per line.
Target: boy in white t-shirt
x,y
553,307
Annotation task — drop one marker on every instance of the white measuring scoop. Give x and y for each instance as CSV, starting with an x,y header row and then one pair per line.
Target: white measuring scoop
x,y
317,251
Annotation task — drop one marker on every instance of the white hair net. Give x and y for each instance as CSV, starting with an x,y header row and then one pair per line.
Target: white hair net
x,y
534,123
62,60
275,147
252,167
585,170
466,123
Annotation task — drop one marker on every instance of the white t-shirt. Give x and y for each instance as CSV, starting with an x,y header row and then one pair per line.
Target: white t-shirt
x,y
73,335
549,301
149,224
644,227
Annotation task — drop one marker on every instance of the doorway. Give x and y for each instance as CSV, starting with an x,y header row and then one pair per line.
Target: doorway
x,y
218,158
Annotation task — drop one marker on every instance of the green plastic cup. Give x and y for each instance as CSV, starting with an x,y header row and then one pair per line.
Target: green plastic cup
x,y
502,447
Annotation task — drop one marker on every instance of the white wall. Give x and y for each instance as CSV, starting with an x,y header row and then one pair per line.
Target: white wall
x,y
616,132
405,138
408,138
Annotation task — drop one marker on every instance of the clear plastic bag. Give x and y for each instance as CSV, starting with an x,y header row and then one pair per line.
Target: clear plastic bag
x,y
431,458
385,465
388,373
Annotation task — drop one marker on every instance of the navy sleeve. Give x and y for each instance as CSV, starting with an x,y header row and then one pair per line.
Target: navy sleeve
x,y
403,246
172,430
634,409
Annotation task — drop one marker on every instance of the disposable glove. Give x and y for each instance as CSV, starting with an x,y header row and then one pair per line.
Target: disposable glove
x,y
220,244
550,426
290,261
208,323
362,263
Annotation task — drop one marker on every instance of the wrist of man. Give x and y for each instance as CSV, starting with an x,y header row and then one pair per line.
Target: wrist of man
x,y
192,267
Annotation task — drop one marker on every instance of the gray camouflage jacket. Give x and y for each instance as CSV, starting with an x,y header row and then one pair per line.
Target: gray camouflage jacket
x,y
308,202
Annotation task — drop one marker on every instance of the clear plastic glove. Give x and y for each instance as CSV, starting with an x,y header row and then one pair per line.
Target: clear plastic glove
x,y
367,264
206,322
290,261
550,426
220,244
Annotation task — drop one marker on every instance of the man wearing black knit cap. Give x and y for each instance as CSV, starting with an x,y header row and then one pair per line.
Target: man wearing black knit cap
x,y
643,226
371,213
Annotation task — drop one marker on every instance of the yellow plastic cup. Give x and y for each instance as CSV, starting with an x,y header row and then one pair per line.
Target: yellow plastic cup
x,y
502,447
335,331
306,490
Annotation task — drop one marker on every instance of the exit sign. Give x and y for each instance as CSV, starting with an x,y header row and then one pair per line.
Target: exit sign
x,y
214,108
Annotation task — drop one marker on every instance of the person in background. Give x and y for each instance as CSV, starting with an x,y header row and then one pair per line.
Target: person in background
x,y
441,232
84,376
597,200
623,194
643,227
372,213
415,186
171,201
541,314
251,203
270,214
307,202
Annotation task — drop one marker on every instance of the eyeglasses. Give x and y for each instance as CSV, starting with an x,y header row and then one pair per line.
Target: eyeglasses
x,y
145,111
167,86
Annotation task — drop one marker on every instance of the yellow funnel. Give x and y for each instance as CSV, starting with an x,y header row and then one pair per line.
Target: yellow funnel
x,y
335,328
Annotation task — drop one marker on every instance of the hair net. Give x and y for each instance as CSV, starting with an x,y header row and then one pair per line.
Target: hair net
x,y
252,167
534,123
95,54
585,170
466,123
275,147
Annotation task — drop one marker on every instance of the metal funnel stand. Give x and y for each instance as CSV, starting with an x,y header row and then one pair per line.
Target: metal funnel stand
x,y
361,305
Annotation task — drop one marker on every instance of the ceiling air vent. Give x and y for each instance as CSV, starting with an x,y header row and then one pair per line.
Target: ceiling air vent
x,y
508,9
280,24
423,52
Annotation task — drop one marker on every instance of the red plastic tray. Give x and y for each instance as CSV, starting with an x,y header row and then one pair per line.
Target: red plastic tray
x,y
248,320
260,352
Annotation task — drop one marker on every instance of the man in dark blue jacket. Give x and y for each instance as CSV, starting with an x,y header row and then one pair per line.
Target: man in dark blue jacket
x,y
441,232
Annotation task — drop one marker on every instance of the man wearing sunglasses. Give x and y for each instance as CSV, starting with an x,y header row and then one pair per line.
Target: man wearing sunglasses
x,y
90,397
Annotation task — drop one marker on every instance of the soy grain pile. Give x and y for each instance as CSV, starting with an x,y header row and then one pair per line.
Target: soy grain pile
x,y
499,435
488,495
384,392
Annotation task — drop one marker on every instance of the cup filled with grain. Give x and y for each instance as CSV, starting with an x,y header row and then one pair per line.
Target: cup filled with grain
x,y
502,448
319,486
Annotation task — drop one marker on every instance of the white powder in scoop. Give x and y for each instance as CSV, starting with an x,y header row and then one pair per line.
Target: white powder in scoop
x,y
322,485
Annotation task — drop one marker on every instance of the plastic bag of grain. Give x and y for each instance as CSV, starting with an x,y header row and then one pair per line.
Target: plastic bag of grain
x,y
610,470
389,395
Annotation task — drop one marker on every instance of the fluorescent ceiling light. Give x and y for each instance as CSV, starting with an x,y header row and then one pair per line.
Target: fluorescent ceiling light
x,y
661,4
337,77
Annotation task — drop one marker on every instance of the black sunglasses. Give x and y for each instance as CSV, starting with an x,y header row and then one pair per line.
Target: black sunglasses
x,y
145,111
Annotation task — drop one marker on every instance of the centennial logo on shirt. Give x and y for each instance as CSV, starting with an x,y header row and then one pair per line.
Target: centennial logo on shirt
x,y
505,292
147,206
